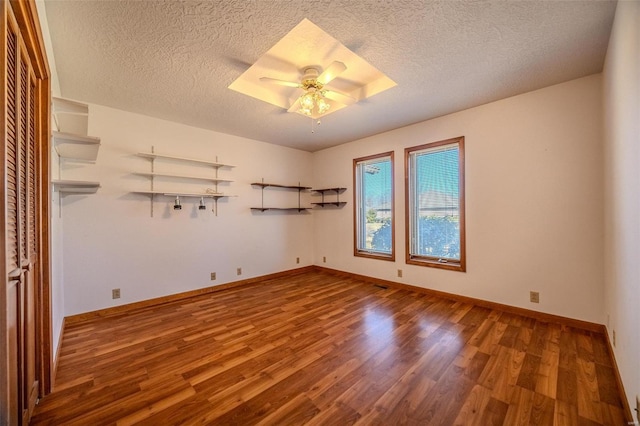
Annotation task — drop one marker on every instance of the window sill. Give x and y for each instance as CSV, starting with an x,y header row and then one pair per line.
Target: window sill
x,y
374,255
434,263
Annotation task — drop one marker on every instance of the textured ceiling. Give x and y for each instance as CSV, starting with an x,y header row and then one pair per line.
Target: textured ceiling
x,y
175,59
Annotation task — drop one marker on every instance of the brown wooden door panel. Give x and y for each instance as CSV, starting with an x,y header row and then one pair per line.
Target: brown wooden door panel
x,y
21,222
31,273
13,290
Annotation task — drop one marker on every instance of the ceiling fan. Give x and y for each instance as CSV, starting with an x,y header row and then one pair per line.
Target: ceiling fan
x,y
313,102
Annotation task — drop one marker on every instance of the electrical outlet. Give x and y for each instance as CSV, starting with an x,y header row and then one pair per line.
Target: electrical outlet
x,y
324,259
115,293
534,297
297,260
213,276
399,273
239,271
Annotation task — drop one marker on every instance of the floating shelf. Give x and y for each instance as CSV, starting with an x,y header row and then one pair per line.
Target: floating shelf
x,y
76,147
336,203
298,188
153,155
75,186
155,174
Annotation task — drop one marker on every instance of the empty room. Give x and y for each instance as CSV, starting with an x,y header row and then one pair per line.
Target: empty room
x,y
321,212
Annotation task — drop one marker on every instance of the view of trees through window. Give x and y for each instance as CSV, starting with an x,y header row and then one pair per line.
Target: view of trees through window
x,y
374,204
435,216
435,205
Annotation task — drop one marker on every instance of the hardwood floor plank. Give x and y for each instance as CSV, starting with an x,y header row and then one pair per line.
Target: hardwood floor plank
x,y
607,385
547,379
588,393
444,401
567,386
529,371
520,407
565,414
471,413
542,410
506,376
584,347
494,413
316,348
510,336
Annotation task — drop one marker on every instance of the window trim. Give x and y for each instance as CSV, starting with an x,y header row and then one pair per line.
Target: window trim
x,y
356,206
432,262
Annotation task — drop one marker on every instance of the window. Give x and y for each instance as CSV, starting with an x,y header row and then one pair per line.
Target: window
x,y
373,200
435,228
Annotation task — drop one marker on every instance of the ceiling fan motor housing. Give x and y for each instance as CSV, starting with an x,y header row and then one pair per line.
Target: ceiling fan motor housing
x,y
310,79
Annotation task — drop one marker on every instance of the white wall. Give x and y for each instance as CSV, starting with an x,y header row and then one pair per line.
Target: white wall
x,y
534,210
110,240
622,192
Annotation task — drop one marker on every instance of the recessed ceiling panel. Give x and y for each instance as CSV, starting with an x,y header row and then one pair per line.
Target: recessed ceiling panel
x,y
307,45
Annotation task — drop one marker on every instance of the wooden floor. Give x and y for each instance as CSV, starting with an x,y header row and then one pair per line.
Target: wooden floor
x,y
323,350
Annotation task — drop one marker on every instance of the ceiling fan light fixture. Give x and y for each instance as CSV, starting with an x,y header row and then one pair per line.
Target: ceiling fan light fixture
x,y
311,100
307,101
323,106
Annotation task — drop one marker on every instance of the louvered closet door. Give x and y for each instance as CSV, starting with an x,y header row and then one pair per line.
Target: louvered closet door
x,y
21,226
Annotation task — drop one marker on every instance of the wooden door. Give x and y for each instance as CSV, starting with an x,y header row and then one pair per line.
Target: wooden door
x,y
21,192
25,323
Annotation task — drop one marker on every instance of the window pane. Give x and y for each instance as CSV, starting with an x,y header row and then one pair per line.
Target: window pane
x,y
374,205
435,217
437,206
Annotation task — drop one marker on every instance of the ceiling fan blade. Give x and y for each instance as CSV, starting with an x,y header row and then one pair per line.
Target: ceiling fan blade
x,y
339,97
295,107
280,82
332,71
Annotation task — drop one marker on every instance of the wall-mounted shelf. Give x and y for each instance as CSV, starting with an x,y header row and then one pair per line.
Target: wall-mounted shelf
x,y
336,203
298,188
211,193
76,147
153,156
185,194
71,142
70,116
295,209
75,186
169,175
275,185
